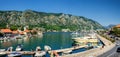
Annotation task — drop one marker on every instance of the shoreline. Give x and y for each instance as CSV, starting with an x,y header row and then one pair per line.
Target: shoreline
x,y
96,51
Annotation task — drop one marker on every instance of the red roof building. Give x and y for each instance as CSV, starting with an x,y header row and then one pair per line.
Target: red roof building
x,y
15,32
118,26
6,31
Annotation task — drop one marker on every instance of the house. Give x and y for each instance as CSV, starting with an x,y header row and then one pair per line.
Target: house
x,y
6,32
117,26
15,33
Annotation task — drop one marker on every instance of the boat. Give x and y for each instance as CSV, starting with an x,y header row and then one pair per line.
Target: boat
x,y
74,33
2,53
38,48
19,37
40,53
10,48
2,50
87,38
66,52
47,48
15,54
19,48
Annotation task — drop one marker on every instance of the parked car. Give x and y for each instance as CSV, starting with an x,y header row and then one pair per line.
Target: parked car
x,y
117,44
118,50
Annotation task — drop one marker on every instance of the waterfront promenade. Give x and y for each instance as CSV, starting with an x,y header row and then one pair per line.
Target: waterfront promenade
x,y
96,51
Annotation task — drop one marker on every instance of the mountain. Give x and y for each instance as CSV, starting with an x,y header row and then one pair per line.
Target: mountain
x,y
48,21
109,26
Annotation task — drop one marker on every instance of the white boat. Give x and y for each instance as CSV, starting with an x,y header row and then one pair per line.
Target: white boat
x,y
38,48
2,50
14,54
40,53
10,49
2,53
47,48
19,48
74,33
19,37
67,51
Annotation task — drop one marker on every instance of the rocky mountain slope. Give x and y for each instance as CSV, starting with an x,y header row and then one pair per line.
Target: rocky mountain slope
x,y
48,21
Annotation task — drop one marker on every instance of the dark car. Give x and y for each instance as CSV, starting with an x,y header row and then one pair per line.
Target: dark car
x,y
118,50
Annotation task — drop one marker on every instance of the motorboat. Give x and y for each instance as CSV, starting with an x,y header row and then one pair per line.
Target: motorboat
x,y
2,50
10,48
74,33
47,48
38,48
67,52
19,47
40,53
15,54
2,53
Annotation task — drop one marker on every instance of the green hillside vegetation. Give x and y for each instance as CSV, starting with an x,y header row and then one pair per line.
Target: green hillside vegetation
x,y
116,31
48,21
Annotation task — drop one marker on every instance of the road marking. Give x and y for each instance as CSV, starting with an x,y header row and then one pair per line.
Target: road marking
x,y
111,54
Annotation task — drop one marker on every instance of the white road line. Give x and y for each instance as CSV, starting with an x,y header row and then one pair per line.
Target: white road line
x,y
111,54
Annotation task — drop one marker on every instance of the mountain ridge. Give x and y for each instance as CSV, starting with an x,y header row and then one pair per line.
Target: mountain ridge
x,y
48,21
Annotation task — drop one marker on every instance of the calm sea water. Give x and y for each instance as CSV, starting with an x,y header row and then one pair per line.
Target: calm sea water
x,y
56,40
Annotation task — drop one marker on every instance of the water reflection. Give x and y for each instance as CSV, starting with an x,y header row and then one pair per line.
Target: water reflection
x,y
56,40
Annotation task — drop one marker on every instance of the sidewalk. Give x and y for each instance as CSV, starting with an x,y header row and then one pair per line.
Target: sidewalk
x,y
96,51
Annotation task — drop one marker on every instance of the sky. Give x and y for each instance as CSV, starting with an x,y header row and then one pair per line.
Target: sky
x,y
103,11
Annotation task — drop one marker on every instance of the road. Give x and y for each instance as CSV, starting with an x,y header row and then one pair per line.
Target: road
x,y
112,52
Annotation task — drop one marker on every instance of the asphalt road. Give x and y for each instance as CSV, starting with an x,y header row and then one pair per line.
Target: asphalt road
x,y
112,52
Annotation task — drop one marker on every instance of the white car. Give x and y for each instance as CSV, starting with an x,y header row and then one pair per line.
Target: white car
x,y
117,44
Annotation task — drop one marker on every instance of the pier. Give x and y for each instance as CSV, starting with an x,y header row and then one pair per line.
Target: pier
x,y
72,48
33,52
22,52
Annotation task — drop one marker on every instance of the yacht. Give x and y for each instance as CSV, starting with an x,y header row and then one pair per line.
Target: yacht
x,y
88,38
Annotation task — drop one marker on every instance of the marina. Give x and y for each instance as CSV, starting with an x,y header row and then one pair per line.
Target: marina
x,y
56,47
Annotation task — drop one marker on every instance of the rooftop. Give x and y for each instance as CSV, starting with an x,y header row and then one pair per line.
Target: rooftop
x,y
118,26
6,31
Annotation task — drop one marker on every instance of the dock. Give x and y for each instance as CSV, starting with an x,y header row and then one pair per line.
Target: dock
x,y
72,48
22,52
33,52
